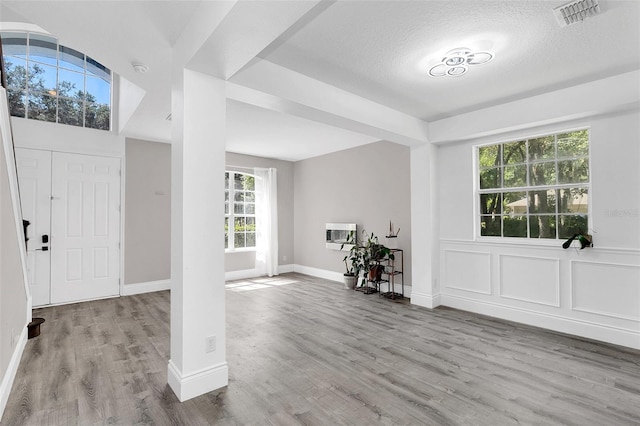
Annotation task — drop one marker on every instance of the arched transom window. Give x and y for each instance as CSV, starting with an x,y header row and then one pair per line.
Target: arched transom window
x,y
50,82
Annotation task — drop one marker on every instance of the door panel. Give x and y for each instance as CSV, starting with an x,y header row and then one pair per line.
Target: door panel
x,y
85,232
34,178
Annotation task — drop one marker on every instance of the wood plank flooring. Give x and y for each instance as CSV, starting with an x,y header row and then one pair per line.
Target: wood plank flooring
x,y
304,351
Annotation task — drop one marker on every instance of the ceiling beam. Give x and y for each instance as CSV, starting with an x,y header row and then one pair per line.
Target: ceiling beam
x,y
273,87
246,30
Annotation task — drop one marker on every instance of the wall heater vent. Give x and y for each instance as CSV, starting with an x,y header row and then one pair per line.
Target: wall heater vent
x,y
576,11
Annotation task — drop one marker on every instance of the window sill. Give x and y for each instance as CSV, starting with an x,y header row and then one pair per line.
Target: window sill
x,y
520,241
240,250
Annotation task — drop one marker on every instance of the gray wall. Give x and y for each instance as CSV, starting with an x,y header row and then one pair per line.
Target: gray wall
x,y
147,238
13,300
368,185
246,260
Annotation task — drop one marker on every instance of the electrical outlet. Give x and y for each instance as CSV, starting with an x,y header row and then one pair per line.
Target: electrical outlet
x,y
284,258
210,344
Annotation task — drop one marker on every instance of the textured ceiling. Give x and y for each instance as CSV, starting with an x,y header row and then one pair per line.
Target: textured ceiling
x,y
381,50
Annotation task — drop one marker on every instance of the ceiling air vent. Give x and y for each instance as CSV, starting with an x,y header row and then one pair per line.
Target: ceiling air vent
x,y
576,11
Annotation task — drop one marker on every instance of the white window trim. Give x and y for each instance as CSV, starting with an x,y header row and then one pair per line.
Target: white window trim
x,y
231,215
543,242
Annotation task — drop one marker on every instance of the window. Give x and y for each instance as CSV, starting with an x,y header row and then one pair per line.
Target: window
x,y
240,210
534,188
50,82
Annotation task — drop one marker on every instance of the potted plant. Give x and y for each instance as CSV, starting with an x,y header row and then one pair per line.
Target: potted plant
x,y
364,256
352,261
373,253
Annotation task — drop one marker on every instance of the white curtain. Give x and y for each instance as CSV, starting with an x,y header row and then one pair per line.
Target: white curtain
x,y
266,221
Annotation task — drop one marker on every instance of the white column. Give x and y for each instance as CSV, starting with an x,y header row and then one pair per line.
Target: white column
x,y
198,357
424,227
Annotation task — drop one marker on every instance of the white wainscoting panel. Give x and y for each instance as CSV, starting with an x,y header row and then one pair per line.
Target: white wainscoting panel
x,y
530,279
606,289
467,270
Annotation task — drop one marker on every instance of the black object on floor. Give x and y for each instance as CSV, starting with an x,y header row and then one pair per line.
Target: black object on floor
x,y
34,327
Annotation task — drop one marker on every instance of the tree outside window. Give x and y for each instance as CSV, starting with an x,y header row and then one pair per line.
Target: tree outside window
x,y
50,82
240,210
535,188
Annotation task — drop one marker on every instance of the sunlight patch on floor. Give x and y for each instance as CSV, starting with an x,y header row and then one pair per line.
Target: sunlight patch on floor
x,y
258,283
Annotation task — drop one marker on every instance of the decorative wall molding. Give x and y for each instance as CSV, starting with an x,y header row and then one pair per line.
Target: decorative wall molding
x,y
597,285
145,287
595,295
480,269
12,370
525,282
528,244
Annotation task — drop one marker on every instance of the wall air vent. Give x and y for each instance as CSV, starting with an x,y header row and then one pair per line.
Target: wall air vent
x,y
576,11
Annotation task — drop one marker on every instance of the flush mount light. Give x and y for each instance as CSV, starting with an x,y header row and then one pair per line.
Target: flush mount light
x,y
456,62
140,68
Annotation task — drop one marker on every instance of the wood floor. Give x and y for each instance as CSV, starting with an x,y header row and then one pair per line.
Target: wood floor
x,y
304,351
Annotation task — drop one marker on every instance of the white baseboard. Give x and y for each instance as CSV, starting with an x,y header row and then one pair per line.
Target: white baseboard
x,y
12,369
339,277
198,383
430,301
146,287
590,330
283,269
320,273
242,274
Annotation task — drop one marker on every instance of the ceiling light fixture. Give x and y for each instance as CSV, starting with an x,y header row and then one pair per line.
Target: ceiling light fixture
x,y
140,68
456,62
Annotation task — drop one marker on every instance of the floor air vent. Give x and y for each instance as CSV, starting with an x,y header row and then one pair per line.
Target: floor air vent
x,y
576,11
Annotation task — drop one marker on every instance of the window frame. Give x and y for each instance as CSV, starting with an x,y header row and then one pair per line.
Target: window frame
x,y
477,191
230,215
27,93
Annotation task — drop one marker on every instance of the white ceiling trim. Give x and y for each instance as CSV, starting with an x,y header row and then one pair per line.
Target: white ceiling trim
x,y
271,86
364,125
199,29
604,96
245,31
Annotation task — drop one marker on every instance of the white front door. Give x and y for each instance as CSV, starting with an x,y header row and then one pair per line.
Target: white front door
x,y
85,227
34,177
73,203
